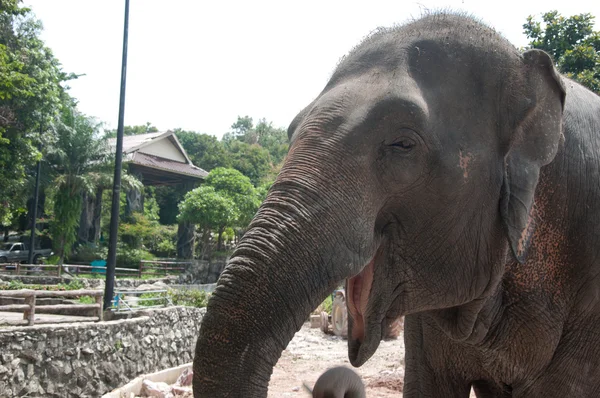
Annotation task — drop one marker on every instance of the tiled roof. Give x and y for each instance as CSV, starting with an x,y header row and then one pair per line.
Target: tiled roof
x,y
155,162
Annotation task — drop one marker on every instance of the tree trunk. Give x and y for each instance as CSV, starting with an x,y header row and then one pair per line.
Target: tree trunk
x,y
185,240
86,219
220,239
185,234
96,227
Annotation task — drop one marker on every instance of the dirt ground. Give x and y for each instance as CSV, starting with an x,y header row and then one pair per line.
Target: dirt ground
x,y
311,352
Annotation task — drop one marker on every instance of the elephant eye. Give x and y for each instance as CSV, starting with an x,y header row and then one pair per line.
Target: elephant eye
x,y
405,144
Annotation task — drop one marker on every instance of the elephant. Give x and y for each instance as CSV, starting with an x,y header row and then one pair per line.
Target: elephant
x,y
444,176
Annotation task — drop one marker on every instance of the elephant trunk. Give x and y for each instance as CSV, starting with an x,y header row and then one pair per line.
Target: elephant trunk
x,y
303,242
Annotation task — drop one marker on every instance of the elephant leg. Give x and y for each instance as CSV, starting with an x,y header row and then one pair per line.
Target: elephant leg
x,y
421,379
487,390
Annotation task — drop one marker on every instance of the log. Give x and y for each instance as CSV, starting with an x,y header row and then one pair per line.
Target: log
x,y
17,293
14,307
14,323
68,293
59,320
83,307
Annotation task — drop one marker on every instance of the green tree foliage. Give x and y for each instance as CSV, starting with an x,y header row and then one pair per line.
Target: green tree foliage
x,y
210,210
234,185
256,151
132,130
75,158
204,150
31,98
228,199
253,161
572,42
274,140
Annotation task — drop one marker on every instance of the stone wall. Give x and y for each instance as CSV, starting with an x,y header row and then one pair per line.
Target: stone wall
x,y
201,272
90,359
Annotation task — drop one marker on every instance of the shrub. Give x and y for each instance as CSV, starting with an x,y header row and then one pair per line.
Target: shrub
x,y
18,285
131,258
87,254
324,306
189,297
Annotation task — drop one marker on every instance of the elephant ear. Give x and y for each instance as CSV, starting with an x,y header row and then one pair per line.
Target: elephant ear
x,y
536,123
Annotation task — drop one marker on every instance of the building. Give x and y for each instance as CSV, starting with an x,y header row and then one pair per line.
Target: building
x,y
156,159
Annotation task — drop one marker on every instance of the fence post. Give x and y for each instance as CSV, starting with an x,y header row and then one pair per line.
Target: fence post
x,y
141,266
18,268
29,314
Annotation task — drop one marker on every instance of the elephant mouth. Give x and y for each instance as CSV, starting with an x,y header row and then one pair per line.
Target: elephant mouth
x,y
365,335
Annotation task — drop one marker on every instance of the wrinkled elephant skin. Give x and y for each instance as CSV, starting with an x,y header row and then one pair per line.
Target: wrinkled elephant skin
x,y
449,179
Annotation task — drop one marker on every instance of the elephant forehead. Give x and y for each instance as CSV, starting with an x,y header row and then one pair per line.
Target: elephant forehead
x,y
362,98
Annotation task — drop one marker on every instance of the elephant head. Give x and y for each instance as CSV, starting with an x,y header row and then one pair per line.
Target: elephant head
x,y
411,176
339,382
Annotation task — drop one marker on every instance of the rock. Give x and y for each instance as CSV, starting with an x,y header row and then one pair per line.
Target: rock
x,y
87,351
19,375
185,378
155,389
182,391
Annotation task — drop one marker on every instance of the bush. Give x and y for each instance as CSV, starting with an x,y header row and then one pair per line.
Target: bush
x,y
87,254
166,248
18,285
324,306
189,297
131,258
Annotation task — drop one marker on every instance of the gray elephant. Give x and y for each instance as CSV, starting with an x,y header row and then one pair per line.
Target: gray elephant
x,y
449,179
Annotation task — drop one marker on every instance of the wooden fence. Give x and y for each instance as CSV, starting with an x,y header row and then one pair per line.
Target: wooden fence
x,y
30,297
162,267
52,269
155,268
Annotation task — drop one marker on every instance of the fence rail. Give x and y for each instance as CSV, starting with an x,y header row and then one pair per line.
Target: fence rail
x,y
162,267
52,269
126,300
30,297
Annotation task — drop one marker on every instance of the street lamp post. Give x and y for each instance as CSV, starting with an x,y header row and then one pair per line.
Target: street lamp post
x,y
36,195
114,215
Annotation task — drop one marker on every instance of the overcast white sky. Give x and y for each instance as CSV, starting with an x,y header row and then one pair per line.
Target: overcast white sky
x,y
199,64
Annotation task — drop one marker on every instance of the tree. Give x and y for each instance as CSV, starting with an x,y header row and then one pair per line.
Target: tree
x,y
253,161
81,164
210,210
274,140
31,98
76,154
228,199
204,150
132,130
237,187
572,42
240,128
